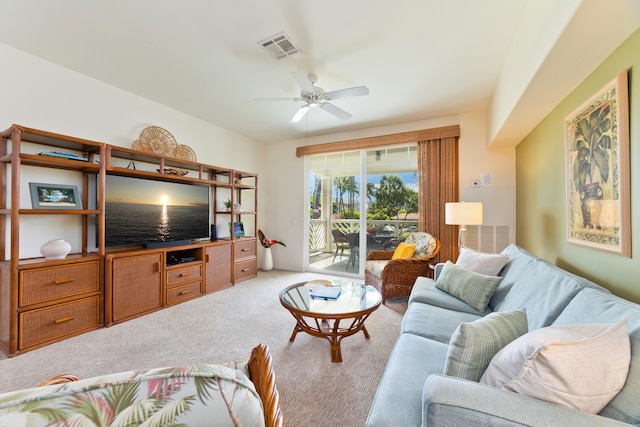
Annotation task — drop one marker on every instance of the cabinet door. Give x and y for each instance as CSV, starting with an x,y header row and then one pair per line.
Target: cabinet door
x,y
137,285
218,267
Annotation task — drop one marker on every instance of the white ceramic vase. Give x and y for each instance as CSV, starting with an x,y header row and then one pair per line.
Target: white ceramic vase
x,y
55,249
267,261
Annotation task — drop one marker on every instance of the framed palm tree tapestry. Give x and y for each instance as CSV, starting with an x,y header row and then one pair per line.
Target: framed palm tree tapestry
x,y
597,170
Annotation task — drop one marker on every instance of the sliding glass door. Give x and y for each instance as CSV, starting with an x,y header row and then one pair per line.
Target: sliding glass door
x,y
359,201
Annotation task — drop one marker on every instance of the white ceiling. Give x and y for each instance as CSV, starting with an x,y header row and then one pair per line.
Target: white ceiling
x,y
420,59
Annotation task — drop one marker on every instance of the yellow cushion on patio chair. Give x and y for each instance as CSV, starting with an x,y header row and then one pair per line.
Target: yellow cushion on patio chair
x,y
404,250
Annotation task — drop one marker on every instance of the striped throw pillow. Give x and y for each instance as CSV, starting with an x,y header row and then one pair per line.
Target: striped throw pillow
x,y
473,344
475,289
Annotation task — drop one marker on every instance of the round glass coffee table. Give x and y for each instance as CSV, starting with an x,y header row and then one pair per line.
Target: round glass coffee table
x,y
321,315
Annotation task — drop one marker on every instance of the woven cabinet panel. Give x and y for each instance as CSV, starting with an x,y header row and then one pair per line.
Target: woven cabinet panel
x,y
39,326
218,267
137,285
50,283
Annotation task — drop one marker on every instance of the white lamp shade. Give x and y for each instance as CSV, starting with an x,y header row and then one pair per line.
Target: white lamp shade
x,y
461,213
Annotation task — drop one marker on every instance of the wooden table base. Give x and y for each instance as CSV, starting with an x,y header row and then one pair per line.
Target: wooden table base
x,y
322,328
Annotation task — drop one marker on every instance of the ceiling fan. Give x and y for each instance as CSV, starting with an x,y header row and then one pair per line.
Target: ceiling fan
x,y
314,96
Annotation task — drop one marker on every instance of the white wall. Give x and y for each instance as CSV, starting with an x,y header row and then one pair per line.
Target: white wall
x,y
42,95
286,206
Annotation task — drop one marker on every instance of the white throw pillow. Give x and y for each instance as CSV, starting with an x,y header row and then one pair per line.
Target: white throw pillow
x,y
579,366
489,264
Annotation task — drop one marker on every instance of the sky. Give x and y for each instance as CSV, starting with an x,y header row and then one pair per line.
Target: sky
x,y
144,191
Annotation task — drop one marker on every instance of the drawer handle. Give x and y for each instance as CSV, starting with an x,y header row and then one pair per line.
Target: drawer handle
x,y
185,274
244,249
245,269
188,291
62,282
63,320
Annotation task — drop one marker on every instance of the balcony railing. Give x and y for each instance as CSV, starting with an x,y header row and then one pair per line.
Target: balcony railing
x,y
320,239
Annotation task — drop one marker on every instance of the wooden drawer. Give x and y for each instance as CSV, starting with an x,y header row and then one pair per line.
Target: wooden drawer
x,y
183,293
46,324
245,269
244,249
184,274
46,284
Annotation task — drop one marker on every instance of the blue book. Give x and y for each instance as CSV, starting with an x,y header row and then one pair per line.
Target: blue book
x,y
326,292
69,156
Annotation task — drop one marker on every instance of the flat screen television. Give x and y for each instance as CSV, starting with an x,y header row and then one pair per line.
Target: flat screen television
x,y
146,212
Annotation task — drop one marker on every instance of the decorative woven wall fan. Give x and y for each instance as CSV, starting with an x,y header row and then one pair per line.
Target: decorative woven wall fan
x,y
159,141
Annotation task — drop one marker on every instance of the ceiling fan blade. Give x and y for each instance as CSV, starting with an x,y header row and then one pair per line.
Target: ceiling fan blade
x,y
300,114
338,112
303,81
347,93
277,99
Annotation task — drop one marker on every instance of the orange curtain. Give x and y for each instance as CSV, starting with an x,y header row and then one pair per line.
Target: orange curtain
x,y
438,183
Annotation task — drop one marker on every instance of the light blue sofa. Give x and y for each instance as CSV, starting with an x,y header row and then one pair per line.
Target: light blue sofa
x,y
414,392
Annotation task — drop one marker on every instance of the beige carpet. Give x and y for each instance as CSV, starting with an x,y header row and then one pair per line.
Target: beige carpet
x,y
225,326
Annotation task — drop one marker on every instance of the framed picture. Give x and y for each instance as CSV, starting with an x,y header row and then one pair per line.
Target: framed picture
x,y
238,229
54,196
597,170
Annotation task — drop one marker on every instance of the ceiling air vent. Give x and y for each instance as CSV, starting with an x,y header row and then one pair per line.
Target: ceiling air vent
x,y
279,46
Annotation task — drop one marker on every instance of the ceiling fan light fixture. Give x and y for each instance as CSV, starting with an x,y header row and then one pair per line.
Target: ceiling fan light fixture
x,y
279,46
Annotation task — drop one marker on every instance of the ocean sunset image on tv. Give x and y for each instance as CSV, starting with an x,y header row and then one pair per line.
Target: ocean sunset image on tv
x,y
140,211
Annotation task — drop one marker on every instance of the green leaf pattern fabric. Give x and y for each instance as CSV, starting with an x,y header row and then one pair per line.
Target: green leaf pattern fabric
x,y
212,395
425,243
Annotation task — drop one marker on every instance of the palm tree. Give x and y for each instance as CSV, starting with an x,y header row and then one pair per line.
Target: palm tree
x,y
352,191
592,144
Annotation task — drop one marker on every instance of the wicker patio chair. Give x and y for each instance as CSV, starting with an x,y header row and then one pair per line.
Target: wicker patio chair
x,y
395,277
341,241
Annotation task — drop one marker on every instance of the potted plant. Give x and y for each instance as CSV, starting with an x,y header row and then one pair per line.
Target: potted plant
x,y
592,143
267,262
227,204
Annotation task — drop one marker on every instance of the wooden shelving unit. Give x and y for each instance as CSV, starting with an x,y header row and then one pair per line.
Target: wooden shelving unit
x,y
50,300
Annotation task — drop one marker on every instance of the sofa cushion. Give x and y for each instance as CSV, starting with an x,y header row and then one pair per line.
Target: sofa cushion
x,y
544,289
540,287
404,250
425,291
474,344
412,360
593,306
579,366
475,289
489,264
180,396
433,322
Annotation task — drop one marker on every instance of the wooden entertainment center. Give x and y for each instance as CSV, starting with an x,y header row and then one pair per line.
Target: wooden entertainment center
x,y
43,301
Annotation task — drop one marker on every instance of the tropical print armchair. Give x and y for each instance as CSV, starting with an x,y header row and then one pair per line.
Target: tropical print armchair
x,y
198,395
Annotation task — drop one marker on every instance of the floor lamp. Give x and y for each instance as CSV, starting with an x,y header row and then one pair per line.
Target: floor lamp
x,y
462,214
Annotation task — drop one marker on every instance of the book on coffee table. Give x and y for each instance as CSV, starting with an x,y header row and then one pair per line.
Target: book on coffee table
x,y
325,292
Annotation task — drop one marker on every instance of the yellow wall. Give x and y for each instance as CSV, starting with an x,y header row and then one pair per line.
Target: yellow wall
x,y
540,178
